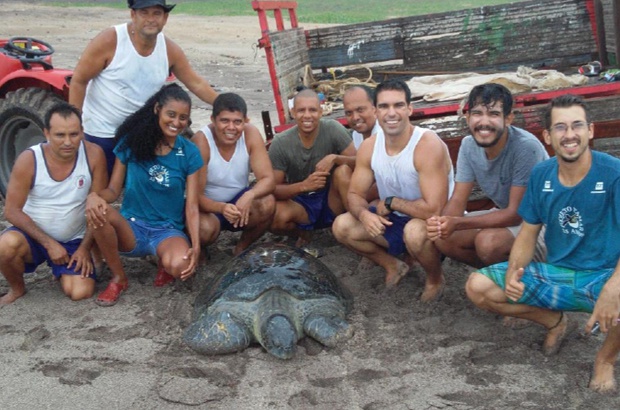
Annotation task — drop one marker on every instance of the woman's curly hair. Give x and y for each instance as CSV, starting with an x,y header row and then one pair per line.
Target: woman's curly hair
x,y
140,133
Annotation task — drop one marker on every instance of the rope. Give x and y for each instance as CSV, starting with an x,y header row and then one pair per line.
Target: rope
x,y
334,89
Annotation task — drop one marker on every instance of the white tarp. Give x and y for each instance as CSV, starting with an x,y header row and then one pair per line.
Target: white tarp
x,y
457,86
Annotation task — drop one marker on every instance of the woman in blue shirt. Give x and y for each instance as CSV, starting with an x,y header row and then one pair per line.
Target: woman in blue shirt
x,y
159,170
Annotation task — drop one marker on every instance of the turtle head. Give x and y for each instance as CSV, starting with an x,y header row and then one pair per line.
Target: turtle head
x,y
278,336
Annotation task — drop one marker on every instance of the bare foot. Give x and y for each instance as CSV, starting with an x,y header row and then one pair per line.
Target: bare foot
x,y
432,291
555,336
392,278
11,297
516,322
603,377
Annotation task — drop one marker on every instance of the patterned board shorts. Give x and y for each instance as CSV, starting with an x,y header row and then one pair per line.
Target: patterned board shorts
x,y
552,287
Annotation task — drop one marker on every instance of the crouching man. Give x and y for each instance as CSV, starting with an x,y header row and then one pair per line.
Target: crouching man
x,y
45,202
576,196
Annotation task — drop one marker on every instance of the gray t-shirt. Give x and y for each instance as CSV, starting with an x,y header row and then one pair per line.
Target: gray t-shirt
x,y
288,154
510,168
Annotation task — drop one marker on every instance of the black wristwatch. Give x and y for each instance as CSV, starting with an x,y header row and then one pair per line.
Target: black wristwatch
x,y
388,203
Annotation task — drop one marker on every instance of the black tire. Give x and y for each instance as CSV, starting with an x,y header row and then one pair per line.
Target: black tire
x,y
21,125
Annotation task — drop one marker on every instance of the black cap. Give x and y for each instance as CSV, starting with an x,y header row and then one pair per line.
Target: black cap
x,y
142,4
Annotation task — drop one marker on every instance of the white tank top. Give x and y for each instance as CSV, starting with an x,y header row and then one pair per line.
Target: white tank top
x,y
226,178
124,85
358,138
57,207
396,175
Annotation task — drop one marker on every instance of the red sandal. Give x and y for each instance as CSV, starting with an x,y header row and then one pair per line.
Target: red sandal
x,y
110,295
163,278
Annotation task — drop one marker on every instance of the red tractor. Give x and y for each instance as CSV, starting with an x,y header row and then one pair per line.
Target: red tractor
x,y
29,86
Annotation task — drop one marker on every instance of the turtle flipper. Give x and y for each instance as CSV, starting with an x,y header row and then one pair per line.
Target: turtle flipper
x,y
220,333
327,330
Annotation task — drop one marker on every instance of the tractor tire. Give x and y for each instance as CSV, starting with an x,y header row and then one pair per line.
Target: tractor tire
x,y
22,114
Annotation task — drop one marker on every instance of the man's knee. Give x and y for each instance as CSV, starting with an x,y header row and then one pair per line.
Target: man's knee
x,y
285,215
493,245
76,287
13,245
265,208
342,176
414,235
477,288
208,228
342,227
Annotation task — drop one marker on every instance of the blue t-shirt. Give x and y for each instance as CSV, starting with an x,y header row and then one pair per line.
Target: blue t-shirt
x,y
155,190
583,222
510,168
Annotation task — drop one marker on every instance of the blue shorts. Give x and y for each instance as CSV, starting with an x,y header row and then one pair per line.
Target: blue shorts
x,y
148,237
224,224
40,255
317,208
394,234
552,287
107,144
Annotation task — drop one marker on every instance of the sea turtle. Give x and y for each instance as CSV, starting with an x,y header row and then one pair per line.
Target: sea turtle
x,y
272,294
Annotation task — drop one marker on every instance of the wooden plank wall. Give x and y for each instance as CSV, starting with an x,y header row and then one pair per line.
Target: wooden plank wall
x,y
291,57
547,33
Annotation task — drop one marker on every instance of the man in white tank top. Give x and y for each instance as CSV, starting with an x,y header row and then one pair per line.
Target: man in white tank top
x,y
45,202
123,66
414,176
230,149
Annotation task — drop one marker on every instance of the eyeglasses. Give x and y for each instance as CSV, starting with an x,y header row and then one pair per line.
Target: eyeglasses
x,y
577,126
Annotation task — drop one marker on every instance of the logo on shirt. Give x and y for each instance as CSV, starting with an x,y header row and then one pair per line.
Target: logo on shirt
x,y
547,187
599,188
180,152
80,182
570,221
160,175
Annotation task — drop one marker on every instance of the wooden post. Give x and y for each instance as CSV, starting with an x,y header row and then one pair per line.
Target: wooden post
x,y
600,33
616,11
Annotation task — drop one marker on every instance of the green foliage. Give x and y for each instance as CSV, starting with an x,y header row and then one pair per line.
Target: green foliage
x,y
318,11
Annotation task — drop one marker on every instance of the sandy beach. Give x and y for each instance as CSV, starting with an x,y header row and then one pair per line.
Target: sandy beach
x,y
58,354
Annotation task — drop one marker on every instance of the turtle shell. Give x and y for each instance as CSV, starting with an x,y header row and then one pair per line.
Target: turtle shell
x,y
272,266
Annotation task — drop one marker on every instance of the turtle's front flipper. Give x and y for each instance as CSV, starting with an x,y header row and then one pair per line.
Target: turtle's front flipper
x,y
327,330
219,333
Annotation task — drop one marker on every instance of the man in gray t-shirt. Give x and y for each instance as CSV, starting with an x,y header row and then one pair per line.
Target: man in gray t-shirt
x,y
499,157
304,158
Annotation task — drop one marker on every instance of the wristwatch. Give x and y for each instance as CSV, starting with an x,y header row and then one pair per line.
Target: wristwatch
x,y
388,203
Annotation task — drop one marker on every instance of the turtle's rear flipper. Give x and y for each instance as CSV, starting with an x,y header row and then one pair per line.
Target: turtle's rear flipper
x,y
217,334
327,330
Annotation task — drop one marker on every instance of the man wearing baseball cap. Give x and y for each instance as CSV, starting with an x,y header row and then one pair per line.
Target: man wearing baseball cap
x,y
123,66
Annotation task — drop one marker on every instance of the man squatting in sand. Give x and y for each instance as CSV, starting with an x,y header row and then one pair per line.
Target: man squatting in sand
x,y
576,196
230,149
305,158
45,202
413,173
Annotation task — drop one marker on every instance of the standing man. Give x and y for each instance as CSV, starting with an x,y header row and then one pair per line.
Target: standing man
x,y
230,149
576,196
303,158
123,66
45,202
413,172
499,157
